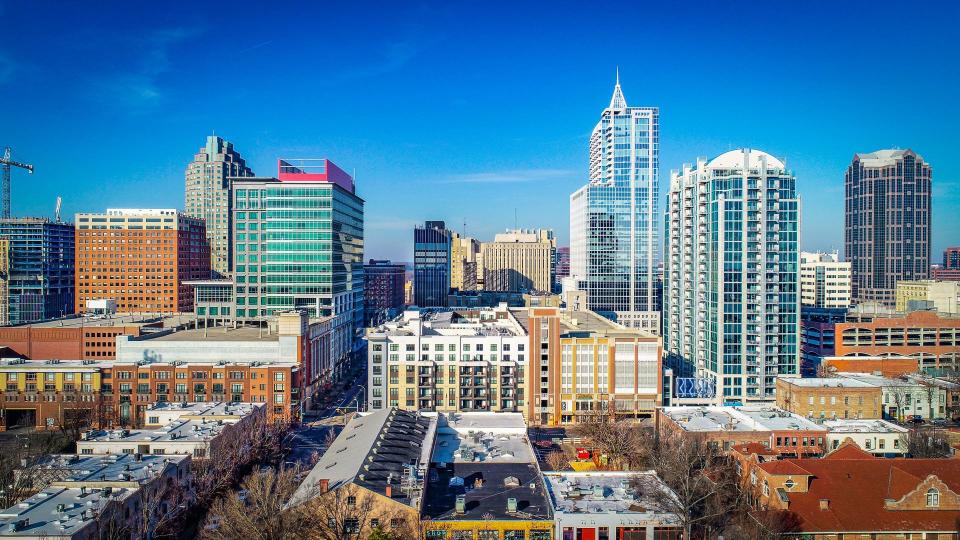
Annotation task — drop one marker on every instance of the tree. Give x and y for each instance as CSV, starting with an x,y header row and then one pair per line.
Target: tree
x,y
900,397
259,509
929,390
926,443
706,492
22,464
557,461
625,443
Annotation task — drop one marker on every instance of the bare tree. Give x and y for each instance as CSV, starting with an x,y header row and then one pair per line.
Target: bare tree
x,y
706,492
825,371
21,464
625,443
900,397
929,390
926,443
557,461
259,509
764,524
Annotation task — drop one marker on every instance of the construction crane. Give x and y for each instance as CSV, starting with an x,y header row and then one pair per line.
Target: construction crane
x,y
7,163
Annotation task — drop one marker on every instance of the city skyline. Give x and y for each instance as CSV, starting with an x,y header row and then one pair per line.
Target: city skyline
x,y
142,99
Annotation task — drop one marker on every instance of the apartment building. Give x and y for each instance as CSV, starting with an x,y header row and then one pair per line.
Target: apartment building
x,y
778,431
37,263
879,437
730,288
950,269
207,196
382,290
887,222
519,260
141,258
942,296
466,273
52,394
833,397
824,280
554,366
907,396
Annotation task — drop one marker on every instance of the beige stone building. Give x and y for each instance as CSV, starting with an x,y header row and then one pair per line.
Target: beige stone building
x,y
942,295
519,260
824,280
833,397
464,262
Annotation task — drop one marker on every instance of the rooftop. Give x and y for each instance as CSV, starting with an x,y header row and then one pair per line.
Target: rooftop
x,y
178,431
884,158
606,492
827,382
489,322
743,419
876,380
398,460
482,438
18,364
219,333
734,159
90,482
113,321
225,410
849,425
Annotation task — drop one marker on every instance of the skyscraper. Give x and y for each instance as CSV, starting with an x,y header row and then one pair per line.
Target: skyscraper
x,y
140,258
37,262
520,261
298,243
464,255
887,222
382,290
561,266
731,302
613,218
431,264
208,196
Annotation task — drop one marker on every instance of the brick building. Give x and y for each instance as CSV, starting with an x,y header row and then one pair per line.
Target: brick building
x,y
140,258
932,339
830,398
850,493
781,432
382,290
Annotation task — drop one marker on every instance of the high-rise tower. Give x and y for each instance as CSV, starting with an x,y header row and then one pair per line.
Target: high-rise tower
x,y
613,218
208,196
887,222
731,304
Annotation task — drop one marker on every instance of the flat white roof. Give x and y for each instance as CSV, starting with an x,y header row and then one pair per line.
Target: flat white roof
x,y
828,382
847,425
635,492
740,419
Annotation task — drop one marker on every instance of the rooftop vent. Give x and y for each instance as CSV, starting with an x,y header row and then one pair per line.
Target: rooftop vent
x,y
461,505
511,505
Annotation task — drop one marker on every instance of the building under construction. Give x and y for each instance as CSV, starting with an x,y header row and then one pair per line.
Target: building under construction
x,y
36,270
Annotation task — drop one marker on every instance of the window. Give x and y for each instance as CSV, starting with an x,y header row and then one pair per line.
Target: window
x,y
351,525
766,489
933,498
351,501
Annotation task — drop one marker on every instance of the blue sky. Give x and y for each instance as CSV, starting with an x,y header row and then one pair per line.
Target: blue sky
x,y
471,112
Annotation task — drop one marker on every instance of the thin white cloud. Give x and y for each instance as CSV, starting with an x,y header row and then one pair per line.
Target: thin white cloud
x,y
513,176
138,88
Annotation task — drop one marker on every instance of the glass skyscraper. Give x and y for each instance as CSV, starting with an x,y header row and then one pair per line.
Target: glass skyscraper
x,y
613,219
298,243
431,264
731,299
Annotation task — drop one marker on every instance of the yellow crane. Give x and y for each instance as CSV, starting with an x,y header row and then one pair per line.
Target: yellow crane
x,y
6,162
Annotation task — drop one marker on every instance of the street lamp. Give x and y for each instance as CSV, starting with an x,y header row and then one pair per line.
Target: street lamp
x,y
364,396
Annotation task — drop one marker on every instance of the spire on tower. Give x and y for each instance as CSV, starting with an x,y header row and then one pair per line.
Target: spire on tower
x,y
618,101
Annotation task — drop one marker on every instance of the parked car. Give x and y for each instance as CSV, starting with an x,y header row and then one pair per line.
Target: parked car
x,y
916,419
939,422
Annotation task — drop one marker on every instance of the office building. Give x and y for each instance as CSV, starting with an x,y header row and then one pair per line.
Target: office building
x,y
865,496
36,270
382,291
207,196
942,296
887,222
519,260
824,280
817,337
731,304
554,366
465,271
432,244
830,397
139,258
614,221
561,267
298,243
950,269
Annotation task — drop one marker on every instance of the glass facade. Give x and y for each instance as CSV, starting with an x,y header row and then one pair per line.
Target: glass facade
x,y
297,245
431,264
39,276
613,219
731,275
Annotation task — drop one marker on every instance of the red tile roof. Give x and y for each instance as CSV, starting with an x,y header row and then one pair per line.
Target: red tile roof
x,y
753,448
784,467
857,488
849,450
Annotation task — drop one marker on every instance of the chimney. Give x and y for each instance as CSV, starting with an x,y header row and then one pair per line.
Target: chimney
x,y
324,485
389,491
824,504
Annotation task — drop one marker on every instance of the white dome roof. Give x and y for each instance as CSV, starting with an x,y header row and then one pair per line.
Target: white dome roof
x,y
734,160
